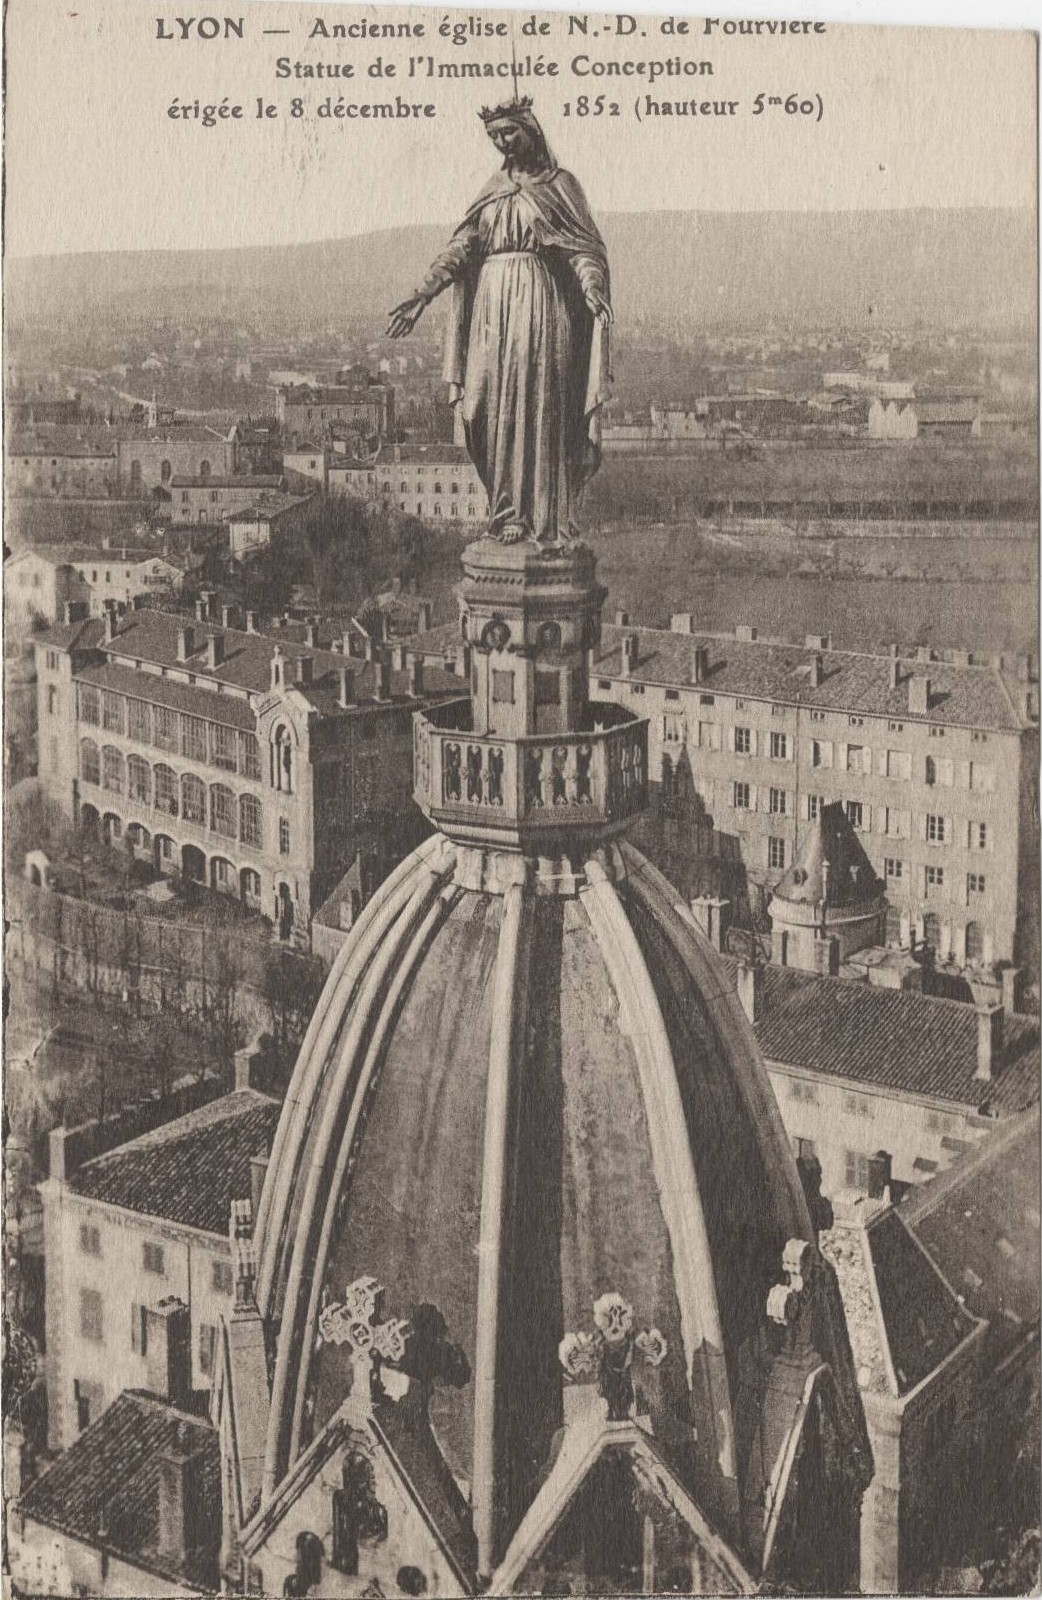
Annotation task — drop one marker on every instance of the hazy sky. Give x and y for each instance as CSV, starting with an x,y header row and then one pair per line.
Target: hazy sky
x,y
911,118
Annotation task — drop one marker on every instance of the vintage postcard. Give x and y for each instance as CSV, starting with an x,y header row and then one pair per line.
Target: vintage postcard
x,y
521,817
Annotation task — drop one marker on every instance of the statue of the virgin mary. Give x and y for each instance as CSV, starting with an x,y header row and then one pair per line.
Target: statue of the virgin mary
x,y
527,349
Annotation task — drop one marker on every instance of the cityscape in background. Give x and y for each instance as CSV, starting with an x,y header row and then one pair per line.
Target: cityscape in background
x,y
233,536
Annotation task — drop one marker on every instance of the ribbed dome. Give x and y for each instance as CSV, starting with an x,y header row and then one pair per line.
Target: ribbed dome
x,y
511,1100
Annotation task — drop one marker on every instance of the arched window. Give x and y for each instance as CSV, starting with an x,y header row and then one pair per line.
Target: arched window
x,y
250,820
193,798
90,761
223,876
931,770
204,469
222,810
282,760
165,472
250,886
139,779
166,789
113,771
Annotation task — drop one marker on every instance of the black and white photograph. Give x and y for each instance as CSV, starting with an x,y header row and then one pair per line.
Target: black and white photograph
x,y
520,804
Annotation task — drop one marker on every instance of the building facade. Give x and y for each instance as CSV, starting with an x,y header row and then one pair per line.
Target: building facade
x,y
42,580
364,405
437,482
255,764
148,460
212,499
61,470
257,524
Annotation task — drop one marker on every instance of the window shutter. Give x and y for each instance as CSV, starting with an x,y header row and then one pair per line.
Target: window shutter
x,y
841,752
730,738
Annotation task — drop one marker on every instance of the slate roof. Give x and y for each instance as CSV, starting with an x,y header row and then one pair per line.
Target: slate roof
x,y
893,1039
975,697
980,1223
261,480
223,708
73,635
104,1488
189,1170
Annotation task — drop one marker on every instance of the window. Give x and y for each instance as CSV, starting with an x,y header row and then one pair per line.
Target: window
x,y
778,802
282,760
804,1149
939,770
112,773
52,660
193,738
139,1330
139,720
223,1278
805,1093
743,741
222,811
249,756
92,1315
90,762
739,705
856,1170
776,853
977,737
779,747
820,753
112,712
250,820
89,1400
709,736
856,722
223,747
502,687
936,733
894,869
815,806
207,1344
672,728
707,699
139,779
672,694
855,814
974,883
936,829
90,1239
817,716
90,705
283,836
742,797
152,1258
933,878
193,798
636,688
166,790
898,765
977,835
895,727
859,760
164,729
604,683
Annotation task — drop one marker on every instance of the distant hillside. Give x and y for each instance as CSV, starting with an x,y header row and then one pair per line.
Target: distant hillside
x,y
941,267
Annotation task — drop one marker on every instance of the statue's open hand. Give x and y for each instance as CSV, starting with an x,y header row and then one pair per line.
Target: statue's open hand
x,y
405,317
600,308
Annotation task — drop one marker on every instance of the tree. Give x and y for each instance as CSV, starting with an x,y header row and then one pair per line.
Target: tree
x,y
292,986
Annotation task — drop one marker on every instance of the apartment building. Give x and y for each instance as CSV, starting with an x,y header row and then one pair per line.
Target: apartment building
x,y
438,482
212,499
257,764
933,761
41,579
357,401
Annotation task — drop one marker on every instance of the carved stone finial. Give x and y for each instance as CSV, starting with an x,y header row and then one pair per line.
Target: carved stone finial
x,y
787,1302
416,1349
607,1354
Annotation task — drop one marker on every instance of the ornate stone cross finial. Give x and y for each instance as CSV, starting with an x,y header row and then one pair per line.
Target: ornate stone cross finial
x,y
416,1349
607,1355
355,1321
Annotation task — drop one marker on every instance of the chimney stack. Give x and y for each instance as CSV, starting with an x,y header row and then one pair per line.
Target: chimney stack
x,y
258,1172
750,989
745,633
681,622
880,1167
369,651
346,682
895,671
425,617
416,677
990,1020
622,619
630,653
383,678
200,610
311,635
918,696
251,622
227,616
215,650
305,670
168,1343
185,643
110,624
816,669
182,1515
923,653
278,666
398,657
699,663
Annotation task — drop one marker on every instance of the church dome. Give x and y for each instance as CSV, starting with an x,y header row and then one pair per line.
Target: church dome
x,y
528,1090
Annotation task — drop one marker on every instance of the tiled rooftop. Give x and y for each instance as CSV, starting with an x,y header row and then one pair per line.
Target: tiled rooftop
x,y
263,480
189,1170
893,1039
105,1487
977,697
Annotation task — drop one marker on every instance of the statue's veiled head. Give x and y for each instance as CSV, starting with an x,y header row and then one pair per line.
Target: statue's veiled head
x,y
515,131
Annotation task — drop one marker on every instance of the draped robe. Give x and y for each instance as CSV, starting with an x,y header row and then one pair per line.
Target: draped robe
x,y
525,357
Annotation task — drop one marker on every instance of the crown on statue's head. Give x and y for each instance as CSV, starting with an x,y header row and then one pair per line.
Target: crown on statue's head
x,y
509,108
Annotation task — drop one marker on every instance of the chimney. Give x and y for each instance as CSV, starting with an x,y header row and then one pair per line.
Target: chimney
x,y
817,641
278,669
879,1173
398,657
681,622
182,1517
200,610
425,617
369,648
463,660
918,696
258,1172
416,677
311,635
209,597
243,1066
699,663
346,641
227,616
923,653
383,678
215,650
750,989
990,1019
895,671
106,543
346,686
305,670
746,633
385,626
816,669
1012,984
251,622
630,653
110,624
622,619
168,1347
185,643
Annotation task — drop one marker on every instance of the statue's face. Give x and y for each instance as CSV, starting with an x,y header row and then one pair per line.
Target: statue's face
x,y
510,139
